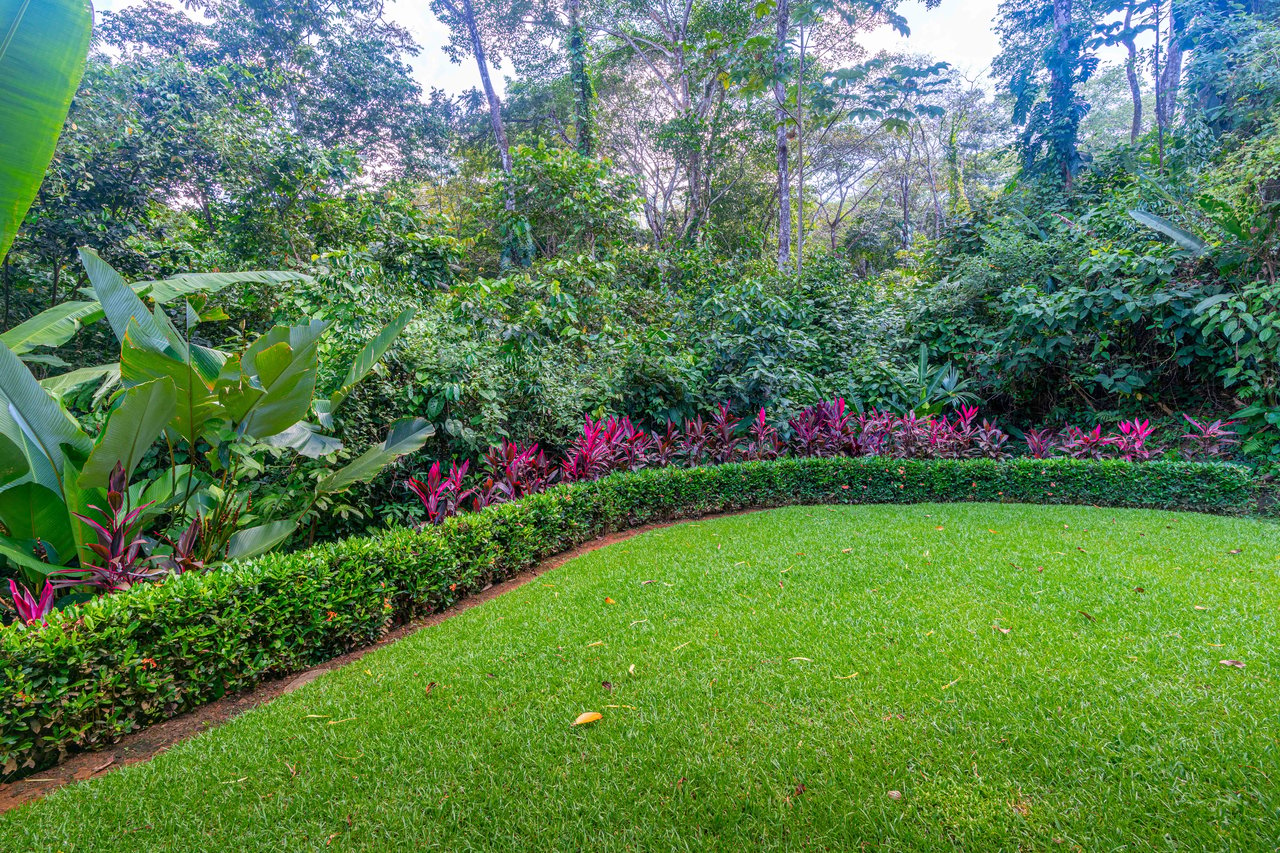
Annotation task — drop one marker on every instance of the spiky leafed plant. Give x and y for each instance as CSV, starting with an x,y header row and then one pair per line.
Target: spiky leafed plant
x,y
120,551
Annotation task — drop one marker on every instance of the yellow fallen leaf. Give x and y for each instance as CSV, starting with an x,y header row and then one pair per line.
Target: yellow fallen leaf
x,y
588,717
596,643
608,600
951,684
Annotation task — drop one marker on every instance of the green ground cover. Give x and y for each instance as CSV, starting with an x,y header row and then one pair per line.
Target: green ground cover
x,y
1021,677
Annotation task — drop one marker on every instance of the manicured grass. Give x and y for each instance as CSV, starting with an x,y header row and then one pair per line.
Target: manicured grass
x,y
774,677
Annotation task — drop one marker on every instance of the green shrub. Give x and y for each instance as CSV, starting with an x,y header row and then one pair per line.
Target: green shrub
x,y
119,662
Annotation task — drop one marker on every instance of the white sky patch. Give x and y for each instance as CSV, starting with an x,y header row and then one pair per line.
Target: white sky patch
x,y
959,32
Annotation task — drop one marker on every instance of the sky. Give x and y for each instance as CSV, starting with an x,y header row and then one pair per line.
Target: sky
x,y
958,31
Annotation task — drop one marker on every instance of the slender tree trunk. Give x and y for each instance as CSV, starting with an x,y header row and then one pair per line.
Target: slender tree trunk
x,y
495,106
1131,71
1061,96
800,161
780,115
1171,76
582,91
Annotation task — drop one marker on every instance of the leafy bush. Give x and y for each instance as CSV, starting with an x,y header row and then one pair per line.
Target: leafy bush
x,y
116,663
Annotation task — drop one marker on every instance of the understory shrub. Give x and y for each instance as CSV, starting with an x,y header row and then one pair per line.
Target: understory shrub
x,y
105,668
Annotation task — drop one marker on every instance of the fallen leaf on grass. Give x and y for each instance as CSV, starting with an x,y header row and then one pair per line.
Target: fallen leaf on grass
x,y
344,720
588,717
807,660
608,600
637,622
846,677
607,685
1234,551
430,687
952,683
1138,589
1236,663
644,583
1002,630
1086,615
895,795
631,670
1198,607
845,550
596,643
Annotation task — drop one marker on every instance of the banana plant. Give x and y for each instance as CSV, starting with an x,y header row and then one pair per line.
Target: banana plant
x,y
204,403
43,45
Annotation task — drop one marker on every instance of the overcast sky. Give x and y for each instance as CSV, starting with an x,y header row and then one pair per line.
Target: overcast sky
x,y
958,31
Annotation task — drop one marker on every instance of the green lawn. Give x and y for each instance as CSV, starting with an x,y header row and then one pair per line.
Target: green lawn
x,y
773,678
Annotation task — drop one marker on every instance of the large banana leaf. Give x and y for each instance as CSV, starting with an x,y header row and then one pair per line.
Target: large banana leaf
x,y
31,511
253,541
406,436
197,404
34,421
13,462
57,325
107,375
126,311
276,378
43,44
1184,238
51,328
185,284
369,355
132,427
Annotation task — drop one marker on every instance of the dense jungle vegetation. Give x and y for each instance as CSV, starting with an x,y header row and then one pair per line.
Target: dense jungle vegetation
x,y
673,205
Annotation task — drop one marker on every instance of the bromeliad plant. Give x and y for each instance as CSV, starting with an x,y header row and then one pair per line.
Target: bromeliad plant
x,y
219,415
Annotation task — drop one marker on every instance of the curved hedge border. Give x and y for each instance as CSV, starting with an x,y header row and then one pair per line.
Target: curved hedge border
x,y
109,667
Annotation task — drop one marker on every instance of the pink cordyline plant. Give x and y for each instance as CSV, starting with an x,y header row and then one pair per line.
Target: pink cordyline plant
x,y
31,611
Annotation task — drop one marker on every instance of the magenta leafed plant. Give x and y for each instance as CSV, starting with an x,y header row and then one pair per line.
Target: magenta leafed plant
x,y
120,549
31,611
823,429
724,444
762,440
1208,440
441,496
666,446
1133,443
1079,444
1041,443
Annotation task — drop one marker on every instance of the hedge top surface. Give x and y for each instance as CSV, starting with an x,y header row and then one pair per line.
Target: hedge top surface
x,y
1019,675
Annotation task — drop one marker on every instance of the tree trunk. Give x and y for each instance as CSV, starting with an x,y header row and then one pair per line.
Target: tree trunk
x,y
1131,71
1060,91
582,91
780,114
1171,76
800,161
495,106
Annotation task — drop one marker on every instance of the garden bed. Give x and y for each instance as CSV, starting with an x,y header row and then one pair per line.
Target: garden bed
x,y
118,663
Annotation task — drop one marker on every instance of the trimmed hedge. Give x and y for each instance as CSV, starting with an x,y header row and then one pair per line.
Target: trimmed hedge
x,y
113,665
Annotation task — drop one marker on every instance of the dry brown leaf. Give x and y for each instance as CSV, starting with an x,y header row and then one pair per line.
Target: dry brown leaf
x,y
430,687
588,717
1086,615
1002,630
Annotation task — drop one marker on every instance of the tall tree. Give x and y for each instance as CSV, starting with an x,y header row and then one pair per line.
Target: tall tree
x,y
1046,54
